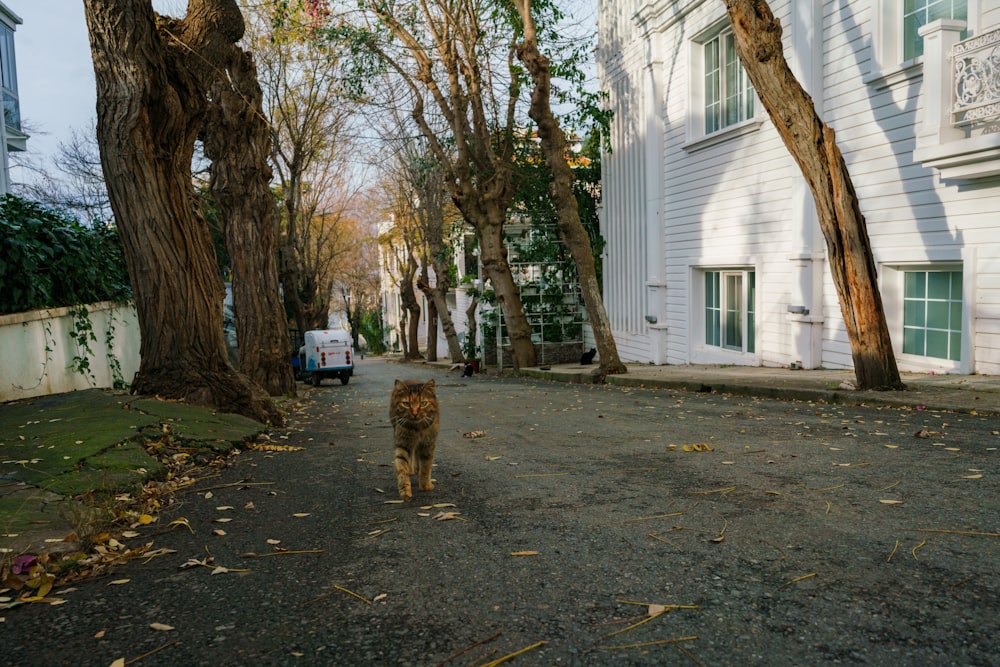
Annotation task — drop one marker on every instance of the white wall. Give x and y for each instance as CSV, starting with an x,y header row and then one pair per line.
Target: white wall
x,y
39,351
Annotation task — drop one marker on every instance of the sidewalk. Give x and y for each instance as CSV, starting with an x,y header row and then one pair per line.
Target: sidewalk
x,y
959,393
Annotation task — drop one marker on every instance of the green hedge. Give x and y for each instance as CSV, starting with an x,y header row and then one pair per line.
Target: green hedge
x,y
50,260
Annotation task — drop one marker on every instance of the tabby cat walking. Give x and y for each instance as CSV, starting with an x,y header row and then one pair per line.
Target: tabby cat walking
x,y
416,419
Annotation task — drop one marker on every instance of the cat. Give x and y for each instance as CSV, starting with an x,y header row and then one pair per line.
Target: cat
x,y
469,370
416,419
588,357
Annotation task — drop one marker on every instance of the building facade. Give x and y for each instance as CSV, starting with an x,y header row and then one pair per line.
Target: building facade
x,y
12,138
714,254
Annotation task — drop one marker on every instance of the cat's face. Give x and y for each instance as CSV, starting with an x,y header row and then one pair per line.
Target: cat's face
x,y
413,402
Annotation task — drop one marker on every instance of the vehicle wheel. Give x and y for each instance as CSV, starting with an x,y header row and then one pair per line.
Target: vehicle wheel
x,y
345,378
316,379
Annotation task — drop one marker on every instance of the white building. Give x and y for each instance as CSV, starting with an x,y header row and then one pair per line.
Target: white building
x,y
11,136
714,254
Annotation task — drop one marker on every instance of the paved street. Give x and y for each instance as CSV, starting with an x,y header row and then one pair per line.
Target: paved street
x,y
736,530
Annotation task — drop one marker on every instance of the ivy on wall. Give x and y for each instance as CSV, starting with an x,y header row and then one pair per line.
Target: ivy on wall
x,y
50,260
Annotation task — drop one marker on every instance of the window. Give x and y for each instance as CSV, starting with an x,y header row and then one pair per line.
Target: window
x,y
729,96
729,310
8,77
932,314
918,13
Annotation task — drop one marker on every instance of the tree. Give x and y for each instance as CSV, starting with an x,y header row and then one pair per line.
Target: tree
x,y
434,217
444,53
237,139
301,82
812,144
554,147
153,74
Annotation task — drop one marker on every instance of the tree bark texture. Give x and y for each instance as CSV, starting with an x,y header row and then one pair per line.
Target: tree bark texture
x,y
151,73
553,141
237,140
412,306
812,144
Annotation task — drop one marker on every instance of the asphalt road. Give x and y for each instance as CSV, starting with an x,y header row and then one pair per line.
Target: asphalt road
x,y
769,532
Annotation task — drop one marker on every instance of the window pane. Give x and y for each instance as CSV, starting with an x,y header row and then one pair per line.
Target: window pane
x,y
956,316
937,314
751,300
712,313
955,351
913,341
734,312
956,285
914,285
713,93
913,314
938,285
937,344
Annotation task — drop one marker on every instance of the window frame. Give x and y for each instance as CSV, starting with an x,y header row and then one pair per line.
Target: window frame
x,y
698,135
711,301
893,283
889,65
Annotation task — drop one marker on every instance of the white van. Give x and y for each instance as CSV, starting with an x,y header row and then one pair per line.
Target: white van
x,y
327,353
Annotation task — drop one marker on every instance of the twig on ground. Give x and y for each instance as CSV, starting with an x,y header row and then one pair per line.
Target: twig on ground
x,y
149,653
889,559
798,579
957,532
914,551
468,648
507,657
657,642
282,553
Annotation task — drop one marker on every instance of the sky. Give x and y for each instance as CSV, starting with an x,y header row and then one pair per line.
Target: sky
x,y
55,74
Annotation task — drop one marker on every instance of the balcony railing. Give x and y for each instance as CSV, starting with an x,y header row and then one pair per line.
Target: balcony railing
x,y
976,68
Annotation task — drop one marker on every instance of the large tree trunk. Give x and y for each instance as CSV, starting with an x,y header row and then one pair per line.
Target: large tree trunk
x,y
412,307
811,143
553,142
151,75
237,139
493,254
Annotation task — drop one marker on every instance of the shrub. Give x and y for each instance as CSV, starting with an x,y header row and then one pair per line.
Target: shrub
x,y
50,260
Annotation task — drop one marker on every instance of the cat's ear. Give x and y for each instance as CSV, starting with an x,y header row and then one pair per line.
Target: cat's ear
x,y
399,385
429,385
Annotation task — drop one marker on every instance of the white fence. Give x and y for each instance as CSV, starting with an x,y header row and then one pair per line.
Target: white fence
x,y
40,356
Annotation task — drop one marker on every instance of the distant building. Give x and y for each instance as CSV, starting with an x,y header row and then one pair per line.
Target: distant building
x,y
13,139
714,254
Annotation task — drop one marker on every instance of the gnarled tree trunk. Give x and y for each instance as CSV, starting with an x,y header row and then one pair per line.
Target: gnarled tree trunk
x,y
151,75
553,142
812,145
237,139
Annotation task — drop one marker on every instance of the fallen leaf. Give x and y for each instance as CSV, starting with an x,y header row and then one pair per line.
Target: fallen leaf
x,y
655,609
299,515
161,626
120,662
892,446
145,519
423,513
474,434
728,463
380,596
222,520
274,541
972,476
181,521
208,494
891,502
445,516
118,582
130,533
223,508
492,458
440,505
219,532
523,553
100,634
220,570
393,502
249,506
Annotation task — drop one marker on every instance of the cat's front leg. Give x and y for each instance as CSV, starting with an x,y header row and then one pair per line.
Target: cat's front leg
x,y
403,471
